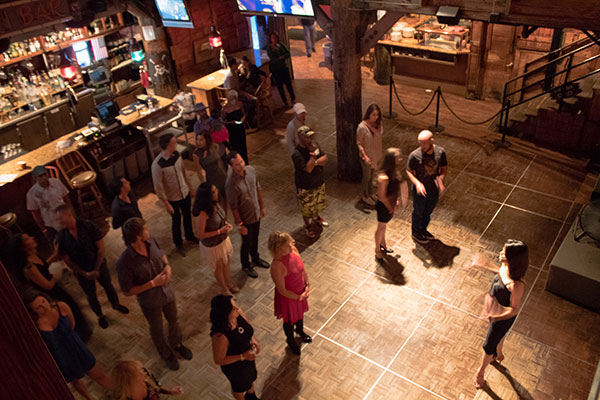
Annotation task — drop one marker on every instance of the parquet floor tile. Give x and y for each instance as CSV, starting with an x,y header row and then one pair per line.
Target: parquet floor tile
x,y
539,203
377,320
555,177
393,387
505,165
444,352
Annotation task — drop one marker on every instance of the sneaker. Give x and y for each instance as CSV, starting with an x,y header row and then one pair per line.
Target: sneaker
x,y
172,363
308,55
102,322
314,50
122,309
419,238
427,235
250,396
261,263
184,351
250,272
322,222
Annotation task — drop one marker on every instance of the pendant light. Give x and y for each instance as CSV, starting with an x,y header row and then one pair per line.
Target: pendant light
x,y
214,37
67,70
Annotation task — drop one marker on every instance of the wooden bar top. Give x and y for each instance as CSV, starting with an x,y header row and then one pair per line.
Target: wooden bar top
x,y
417,46
210,81
48,153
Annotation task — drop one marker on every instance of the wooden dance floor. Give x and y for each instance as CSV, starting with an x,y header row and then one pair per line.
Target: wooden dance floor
x,y
409,329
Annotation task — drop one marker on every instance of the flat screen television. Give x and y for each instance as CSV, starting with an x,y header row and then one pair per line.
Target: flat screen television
x,y
107,112
297,8
174,13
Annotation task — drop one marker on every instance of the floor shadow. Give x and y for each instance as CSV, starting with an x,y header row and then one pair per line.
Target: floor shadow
x,y
393,269
362,206
301,238
519,389
436,254
282,383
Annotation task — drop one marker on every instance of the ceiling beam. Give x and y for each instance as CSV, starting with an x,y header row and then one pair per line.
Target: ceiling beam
x,y
372,35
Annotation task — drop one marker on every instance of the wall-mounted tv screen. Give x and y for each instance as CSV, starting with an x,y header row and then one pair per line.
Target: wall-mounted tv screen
x,y
299,8
174,13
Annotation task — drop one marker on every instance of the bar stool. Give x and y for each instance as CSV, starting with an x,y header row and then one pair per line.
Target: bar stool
x,y
81,177
7,221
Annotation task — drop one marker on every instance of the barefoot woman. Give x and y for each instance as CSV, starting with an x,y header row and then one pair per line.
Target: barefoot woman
x,y
503,301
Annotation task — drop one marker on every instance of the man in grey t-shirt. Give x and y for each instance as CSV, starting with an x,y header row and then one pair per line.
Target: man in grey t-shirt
x,y
245,200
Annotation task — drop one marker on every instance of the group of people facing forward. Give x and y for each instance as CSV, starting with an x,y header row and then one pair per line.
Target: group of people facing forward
x,y
144,271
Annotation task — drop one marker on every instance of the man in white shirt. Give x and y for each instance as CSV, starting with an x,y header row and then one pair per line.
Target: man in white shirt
x,y
43,198
291,132
172,187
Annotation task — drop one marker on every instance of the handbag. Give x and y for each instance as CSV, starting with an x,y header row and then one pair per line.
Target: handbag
x,y
220,136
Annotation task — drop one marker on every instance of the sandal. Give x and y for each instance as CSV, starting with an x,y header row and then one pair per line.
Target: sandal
x,y
309,233
386,250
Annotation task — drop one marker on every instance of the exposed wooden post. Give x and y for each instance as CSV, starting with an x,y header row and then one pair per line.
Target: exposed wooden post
x,y
158,59
378,30
348,28
476,67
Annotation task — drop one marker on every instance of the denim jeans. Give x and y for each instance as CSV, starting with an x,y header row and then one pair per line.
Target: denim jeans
x,y
422,209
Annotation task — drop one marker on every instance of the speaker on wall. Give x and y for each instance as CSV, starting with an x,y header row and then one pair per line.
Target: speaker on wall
x,y
448,15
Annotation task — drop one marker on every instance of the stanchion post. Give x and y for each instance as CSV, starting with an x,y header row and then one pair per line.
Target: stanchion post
x,y
503,125
437,128
391,114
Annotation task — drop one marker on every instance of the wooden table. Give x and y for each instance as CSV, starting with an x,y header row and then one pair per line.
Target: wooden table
x,y
204,89
47,153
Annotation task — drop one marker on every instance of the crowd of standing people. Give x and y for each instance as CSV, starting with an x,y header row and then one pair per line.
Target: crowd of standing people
x,y
229,185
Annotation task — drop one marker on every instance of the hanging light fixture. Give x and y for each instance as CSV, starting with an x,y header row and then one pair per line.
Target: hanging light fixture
x,y
214,38
67,70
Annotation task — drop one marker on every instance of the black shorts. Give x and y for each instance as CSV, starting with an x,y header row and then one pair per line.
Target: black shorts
x,y
495,333
241,375
383,214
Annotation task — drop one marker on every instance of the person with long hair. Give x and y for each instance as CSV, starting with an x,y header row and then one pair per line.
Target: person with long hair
x,y
55,322
369,134
234,116
503,301
209,165
134,382
278,55
234,346
213,230
291,287
390,186
30,267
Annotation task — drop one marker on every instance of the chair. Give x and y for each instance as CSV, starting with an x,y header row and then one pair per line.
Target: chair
x,y
33,133
221,95
59,121
53,171
7,221
80,176
263,95
84,109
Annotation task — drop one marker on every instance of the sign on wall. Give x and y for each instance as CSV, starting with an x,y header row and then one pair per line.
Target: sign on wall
x,y
19,15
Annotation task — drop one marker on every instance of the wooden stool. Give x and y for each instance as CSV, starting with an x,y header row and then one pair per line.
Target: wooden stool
x,y
81,177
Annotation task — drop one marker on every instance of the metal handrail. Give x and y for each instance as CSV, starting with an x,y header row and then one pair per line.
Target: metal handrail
x,y
551,62
576,44
568,69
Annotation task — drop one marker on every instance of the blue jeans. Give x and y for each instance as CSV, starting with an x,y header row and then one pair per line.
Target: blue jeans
x,y
422,209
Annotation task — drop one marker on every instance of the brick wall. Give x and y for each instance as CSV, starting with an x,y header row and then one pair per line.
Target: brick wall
x,y
185,42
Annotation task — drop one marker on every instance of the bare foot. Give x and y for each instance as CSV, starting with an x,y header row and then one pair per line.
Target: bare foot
x,y
479,381
499,358
234,289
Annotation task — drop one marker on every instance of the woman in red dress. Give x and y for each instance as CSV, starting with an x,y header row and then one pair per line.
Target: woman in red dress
x,y
291,287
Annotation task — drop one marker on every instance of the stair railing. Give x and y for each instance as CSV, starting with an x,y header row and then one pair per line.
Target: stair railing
x,y
508,104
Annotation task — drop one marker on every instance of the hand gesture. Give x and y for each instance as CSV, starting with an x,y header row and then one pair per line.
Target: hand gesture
x,y
367,159
227,228
249,355
177,390
255,346
262,212
160,279
440,184
169,208
243,230
89,275
421,189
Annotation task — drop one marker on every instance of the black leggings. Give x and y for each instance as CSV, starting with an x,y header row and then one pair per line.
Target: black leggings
x,y
495,333
283,78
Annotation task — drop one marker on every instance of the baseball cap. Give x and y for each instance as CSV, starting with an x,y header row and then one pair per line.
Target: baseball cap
x,y
299,108
39,170
305,130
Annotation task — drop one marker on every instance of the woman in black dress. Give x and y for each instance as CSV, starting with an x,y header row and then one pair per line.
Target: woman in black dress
x,y
32,269
390,185
278,55
209,165
503,301
234,346
234,116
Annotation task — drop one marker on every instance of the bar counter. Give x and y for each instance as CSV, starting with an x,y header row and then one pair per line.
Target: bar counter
x,y
48,153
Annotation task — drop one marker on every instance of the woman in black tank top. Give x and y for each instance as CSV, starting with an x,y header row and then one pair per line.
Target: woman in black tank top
x,y
503,301
234,346
389,185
